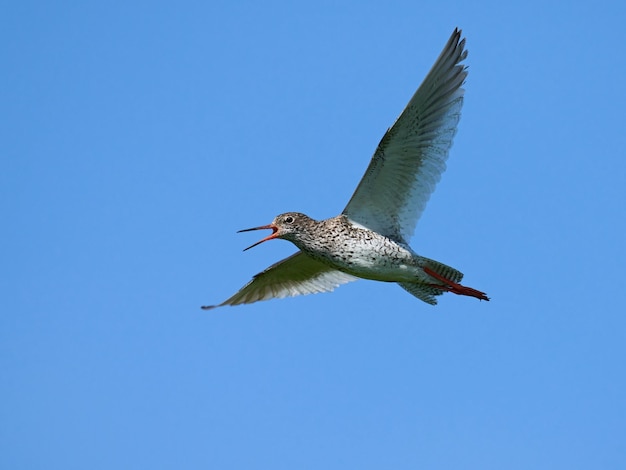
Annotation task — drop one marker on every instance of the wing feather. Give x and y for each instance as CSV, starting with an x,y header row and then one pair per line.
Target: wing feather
x,y
411,156
298,274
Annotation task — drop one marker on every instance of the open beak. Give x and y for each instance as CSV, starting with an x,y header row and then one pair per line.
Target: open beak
x,y
270,237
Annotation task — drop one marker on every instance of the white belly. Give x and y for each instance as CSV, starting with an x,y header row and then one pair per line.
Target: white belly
x,y
376,259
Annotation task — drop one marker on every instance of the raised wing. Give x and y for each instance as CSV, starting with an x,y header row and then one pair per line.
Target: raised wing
x,y
411,156
298,274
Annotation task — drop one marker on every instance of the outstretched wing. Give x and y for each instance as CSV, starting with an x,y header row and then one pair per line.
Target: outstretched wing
x,y
298,274
411,156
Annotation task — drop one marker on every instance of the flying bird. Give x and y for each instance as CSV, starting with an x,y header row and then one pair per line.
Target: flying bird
x,y
369,239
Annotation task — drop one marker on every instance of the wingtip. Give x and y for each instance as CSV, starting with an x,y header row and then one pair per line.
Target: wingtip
x,y
208,307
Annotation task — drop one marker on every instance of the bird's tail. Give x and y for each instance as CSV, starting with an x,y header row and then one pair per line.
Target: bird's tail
x,y
446,279
443,270
428,291
422,291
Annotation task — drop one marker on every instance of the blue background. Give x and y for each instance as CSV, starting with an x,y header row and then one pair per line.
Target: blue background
x,y
137,137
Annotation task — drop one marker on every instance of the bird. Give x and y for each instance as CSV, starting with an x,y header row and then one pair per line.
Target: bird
x,y
369,239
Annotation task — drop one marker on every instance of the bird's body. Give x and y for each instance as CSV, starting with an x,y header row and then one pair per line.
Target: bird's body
x,y
355,250
369,239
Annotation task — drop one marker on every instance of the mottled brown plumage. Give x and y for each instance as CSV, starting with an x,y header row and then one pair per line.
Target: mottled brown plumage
x,y
369,239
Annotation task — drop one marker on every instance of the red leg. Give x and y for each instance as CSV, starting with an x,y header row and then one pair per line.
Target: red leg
x,y
453,287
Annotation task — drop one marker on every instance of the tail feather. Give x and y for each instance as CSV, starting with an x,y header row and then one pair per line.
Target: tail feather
x,y
422,291
443,270
426,291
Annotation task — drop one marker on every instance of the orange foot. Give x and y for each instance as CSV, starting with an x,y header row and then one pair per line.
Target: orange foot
x,y
453,287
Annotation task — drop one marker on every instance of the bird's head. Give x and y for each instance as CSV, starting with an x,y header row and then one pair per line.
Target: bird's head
x,y
288,226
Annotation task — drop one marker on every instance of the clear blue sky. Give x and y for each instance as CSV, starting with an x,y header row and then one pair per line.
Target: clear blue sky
x,y
136,138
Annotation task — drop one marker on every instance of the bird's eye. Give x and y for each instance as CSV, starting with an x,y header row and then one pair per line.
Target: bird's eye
x,y
288,219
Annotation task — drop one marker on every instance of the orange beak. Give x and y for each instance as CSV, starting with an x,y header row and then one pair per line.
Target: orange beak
x,y
270,237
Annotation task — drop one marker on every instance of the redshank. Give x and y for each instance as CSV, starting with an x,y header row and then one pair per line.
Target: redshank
x,y
369,239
